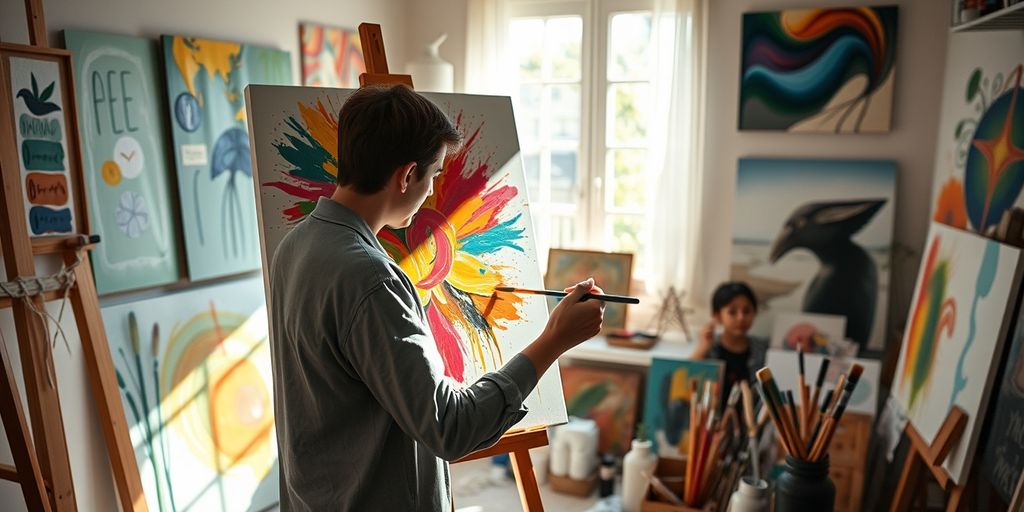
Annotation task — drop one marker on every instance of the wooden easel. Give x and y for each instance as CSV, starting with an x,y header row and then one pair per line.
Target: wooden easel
x,y
921,454
41,464
516,444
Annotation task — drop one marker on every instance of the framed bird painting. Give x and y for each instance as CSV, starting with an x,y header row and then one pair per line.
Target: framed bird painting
x,y
39,151
473,234
815,236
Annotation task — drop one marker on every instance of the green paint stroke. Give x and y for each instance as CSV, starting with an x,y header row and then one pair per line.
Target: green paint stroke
x,y
32,127
42,155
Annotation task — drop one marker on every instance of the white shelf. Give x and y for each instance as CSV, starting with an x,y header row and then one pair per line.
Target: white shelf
x,y
670,346
1007,18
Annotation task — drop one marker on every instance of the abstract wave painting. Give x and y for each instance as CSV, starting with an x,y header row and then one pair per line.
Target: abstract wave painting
x,y
979,160
472,235
818,70
331,56
966,288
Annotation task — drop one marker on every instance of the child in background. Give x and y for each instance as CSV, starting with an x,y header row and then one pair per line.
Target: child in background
x,y
733,307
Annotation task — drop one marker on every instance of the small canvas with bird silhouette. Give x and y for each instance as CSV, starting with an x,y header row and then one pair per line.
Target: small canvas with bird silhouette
x,y
46,139
473,234
667,401
815,236
965,291
124,146
608,396
193,369
979,154
206,80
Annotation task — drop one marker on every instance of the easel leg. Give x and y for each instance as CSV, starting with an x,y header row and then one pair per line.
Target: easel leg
x,y
100,365
529,493
908,481
29,476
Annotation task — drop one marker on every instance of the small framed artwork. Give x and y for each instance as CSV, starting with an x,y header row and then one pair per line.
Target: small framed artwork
x,y
40,140
608,396
612,271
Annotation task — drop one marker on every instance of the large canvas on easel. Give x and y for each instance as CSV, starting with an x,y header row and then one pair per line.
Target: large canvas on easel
x,y
815,236
124,145
195,378
955,330
206,80
481,195
979,155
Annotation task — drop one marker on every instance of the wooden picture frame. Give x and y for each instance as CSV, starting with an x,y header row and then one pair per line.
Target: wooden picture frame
x,y
53,174
612,271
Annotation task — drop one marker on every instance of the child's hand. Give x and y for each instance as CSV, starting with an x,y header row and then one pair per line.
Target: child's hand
x,y
707,336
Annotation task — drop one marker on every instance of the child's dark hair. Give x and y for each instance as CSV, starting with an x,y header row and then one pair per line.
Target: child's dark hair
x,y
381,128
726,292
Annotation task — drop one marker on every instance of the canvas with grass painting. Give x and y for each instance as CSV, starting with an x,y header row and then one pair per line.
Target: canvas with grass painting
x,y
966,288
474,234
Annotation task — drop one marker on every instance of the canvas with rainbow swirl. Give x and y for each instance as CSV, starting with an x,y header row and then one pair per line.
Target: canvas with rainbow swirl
x,y
955,330
473,234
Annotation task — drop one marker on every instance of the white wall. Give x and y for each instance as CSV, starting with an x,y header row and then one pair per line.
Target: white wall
x,y
430,19
920,61
257,22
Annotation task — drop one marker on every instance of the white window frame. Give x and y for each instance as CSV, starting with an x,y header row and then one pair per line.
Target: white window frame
x,y
593,149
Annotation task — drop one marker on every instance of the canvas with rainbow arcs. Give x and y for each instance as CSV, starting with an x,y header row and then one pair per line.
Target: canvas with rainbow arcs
x,y
818,70
473,234
955,331
194,374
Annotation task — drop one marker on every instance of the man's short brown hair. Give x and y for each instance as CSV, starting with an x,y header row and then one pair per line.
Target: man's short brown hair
x,y
382,128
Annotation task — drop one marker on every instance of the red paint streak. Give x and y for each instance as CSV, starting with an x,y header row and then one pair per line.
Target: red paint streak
x,y
448,343
428,224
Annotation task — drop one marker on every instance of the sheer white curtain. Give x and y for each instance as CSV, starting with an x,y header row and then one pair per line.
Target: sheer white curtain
x,y
677,147
485,51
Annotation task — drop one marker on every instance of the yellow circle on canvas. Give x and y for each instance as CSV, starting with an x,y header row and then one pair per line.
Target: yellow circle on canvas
x,y
111,172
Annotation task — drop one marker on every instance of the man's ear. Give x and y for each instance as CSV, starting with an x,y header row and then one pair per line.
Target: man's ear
x,y
405,175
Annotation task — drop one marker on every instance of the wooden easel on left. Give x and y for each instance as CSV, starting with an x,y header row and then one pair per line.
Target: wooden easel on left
x,y
41,464
516,444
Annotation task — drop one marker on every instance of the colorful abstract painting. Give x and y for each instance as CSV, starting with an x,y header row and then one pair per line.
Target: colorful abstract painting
x,y
815,236
331,56
786,368
473,234
195,378
979,159
124,145
1003,461
607,396
818,70
955,330
206,80
46,140
815,334
667,403
612,271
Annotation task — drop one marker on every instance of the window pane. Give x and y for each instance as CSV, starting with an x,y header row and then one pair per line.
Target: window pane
x,y
625,232
563,230
531,165
629,39
527,111
628,114
565,112
563,43
526,41
627,180
563,176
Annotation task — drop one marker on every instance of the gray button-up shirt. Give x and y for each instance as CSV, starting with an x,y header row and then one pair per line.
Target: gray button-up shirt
x,y
365,417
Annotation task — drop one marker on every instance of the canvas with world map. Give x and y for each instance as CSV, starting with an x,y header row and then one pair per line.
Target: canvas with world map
x,y
475,231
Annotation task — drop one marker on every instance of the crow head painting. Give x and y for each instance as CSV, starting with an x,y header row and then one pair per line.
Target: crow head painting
x,y
847,281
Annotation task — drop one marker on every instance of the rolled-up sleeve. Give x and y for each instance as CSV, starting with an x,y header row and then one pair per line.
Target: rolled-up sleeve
x,y
391,348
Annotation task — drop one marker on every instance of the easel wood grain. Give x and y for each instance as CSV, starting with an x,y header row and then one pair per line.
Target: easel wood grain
x,y
516,444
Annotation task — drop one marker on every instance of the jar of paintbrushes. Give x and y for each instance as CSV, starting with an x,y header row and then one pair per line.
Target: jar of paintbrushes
x,y
805,432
